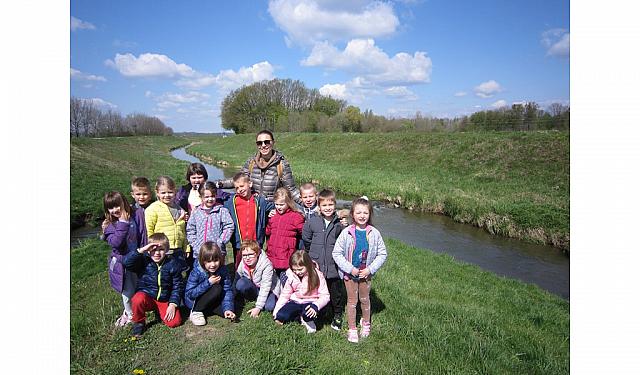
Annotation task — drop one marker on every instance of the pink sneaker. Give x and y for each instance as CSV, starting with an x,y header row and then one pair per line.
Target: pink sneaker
x,y
353,335
123,320
365,328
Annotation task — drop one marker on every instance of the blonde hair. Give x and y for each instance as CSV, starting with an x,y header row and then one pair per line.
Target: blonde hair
x,y
165,181
284,193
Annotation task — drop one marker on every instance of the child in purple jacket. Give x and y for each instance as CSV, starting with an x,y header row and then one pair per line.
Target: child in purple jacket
x,y
121,233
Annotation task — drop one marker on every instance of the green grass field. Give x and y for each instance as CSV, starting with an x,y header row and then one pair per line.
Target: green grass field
x,y
431,315
514,184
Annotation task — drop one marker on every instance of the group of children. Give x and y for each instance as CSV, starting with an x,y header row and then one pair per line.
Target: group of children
x,y
171,252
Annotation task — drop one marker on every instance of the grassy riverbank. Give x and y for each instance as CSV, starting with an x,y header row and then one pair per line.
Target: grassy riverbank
x,y
100,165
514,184
431,314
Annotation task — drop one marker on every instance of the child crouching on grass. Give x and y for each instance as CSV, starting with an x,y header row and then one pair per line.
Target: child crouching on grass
x,y
209,286
255,278
160,283
304,292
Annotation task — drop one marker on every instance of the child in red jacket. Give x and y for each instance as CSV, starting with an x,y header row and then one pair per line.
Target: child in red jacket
x,y
283,231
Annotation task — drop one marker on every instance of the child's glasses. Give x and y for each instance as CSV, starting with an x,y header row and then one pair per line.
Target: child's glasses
x,y
266,142
249,256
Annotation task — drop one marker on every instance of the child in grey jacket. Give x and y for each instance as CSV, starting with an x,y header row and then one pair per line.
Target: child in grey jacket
x,y
255,278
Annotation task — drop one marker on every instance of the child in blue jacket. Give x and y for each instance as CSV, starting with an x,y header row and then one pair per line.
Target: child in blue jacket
x,y
160,283
209,286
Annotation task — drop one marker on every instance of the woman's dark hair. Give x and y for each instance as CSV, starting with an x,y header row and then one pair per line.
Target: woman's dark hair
x,y
197,168
265,131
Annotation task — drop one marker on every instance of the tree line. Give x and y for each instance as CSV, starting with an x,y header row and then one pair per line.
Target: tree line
x,y
88,120
284,105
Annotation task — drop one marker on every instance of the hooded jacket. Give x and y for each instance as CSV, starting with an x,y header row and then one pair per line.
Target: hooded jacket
x,y
161,281
123,239
319,242
198,284
346,243
262,276
214,225
158,219
295,289
284,231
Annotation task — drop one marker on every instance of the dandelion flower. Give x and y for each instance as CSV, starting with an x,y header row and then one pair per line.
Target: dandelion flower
x,y
138,371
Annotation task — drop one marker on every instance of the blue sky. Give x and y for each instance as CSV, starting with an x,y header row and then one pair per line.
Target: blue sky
x,y
178,60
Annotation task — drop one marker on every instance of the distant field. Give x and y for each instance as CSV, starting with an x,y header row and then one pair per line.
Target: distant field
x,y
431,315
514,184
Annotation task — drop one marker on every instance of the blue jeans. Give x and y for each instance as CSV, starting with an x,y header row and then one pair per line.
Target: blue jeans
x,y
292,311
247,289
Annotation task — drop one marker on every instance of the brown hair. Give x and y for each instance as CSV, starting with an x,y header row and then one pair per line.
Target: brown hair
x,y
114,199
250,245
365,202
210,252
161,238
265,131
327,194
140,182
241,176
209,185
196,168
288,200
308,186
165,181
301,258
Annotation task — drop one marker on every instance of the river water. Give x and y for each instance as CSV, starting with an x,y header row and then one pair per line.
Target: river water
x,y
542,265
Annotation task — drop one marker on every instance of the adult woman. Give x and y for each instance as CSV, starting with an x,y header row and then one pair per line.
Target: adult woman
x,y
268,169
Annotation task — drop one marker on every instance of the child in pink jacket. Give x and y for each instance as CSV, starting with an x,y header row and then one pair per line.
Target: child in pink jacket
x,y
304,292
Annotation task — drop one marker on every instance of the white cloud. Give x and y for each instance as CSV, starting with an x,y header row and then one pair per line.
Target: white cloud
x,y
499,104
362,56
487,89
336,91
557,42
76,74
460,94
229,79
78,24
400,92
149,65
310,21
102,104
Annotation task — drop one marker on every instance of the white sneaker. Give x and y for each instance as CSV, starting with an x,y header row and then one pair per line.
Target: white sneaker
x,y
197,318
310,325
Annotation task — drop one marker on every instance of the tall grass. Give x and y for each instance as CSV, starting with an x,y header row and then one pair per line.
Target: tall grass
x,y
514,184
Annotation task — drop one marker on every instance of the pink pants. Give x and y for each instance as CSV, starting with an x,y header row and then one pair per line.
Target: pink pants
x,y
358,290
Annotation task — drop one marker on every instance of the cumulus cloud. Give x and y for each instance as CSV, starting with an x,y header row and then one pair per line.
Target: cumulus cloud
x,y
556,41
460,94
149,65
487,89
310,21
78,24
400,92
230,79
101,103
499,104
78,75
336,91
362,56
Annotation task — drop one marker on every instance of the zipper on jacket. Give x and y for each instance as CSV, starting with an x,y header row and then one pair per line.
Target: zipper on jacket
x,y
159,284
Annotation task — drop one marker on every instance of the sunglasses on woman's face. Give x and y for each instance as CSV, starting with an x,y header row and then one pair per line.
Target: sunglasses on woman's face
x,y
266,142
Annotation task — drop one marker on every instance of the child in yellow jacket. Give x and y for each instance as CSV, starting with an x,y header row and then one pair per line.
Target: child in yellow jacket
x,y
166,216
